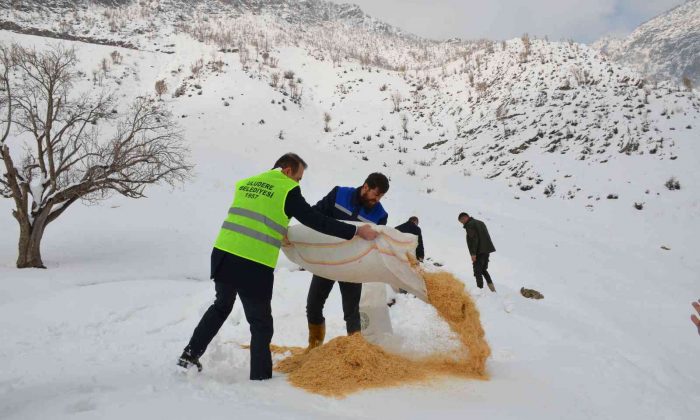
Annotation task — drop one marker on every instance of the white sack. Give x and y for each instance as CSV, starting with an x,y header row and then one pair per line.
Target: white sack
x,y
383,260
374,312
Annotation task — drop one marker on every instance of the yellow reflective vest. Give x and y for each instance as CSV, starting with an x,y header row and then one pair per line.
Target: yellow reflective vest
x,y
256,221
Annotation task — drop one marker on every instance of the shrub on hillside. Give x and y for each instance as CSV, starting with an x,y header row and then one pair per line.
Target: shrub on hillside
x,y
673,184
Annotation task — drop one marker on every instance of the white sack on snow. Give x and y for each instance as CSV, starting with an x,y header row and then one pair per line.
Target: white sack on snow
x,y
383,260
375,321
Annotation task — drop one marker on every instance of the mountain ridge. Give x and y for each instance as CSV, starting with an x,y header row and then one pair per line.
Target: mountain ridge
x,y
521,111
666,47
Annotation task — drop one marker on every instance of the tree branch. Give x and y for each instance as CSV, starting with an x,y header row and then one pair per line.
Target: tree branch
x,y
75,162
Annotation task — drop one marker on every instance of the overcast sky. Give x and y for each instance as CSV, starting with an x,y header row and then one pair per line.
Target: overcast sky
x,y
582,20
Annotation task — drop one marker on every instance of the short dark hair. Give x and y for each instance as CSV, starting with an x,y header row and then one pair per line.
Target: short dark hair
x,y
290,160
378,180
413,219
462,214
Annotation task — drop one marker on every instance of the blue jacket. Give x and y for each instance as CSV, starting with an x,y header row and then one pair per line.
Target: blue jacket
x,y
343,203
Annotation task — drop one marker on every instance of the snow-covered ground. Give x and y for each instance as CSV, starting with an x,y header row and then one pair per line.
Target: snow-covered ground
x,y
97,334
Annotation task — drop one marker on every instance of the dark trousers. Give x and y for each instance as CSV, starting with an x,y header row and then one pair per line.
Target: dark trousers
x,y
481,266
253,283
318,293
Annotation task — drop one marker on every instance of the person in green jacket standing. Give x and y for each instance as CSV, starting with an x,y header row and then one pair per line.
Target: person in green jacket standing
x,y
480,247
245,255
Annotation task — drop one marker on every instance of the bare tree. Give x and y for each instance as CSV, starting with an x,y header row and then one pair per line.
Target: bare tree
x,y
583,77
502,114
526,44
196,67
66,157
326,122
365,59
218,65
502,110
116,57
161,87
6,66
396,100
404,125
104,66
336,55
688,83
294,90
274,79
465,54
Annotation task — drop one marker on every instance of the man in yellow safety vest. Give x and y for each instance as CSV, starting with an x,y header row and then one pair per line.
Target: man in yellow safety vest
x,y
245,255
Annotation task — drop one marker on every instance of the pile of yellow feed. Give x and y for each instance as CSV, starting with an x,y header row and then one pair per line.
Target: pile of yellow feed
x,y
349,364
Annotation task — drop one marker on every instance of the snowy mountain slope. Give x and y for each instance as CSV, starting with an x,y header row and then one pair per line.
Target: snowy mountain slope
x,y
338,31
99,330
95,335
58,5
306,12
495,110
565,100
666,47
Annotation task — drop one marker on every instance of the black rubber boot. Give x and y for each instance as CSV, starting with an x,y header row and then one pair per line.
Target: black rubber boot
x,y
186,361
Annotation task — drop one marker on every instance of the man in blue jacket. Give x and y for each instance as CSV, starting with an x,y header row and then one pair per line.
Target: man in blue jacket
x,y
359,204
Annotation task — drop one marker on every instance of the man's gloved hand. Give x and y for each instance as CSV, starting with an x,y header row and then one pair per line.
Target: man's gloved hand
x,y
285,241
366,232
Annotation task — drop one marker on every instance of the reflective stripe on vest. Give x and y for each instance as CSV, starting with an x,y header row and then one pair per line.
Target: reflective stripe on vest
x,y
256,221
260,218
251,233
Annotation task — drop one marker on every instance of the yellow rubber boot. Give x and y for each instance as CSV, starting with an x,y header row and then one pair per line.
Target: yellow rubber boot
x,y
317,333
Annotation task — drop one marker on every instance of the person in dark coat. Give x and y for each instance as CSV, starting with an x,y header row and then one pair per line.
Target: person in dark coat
x,y
359,204
252,281
411,226
480,247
